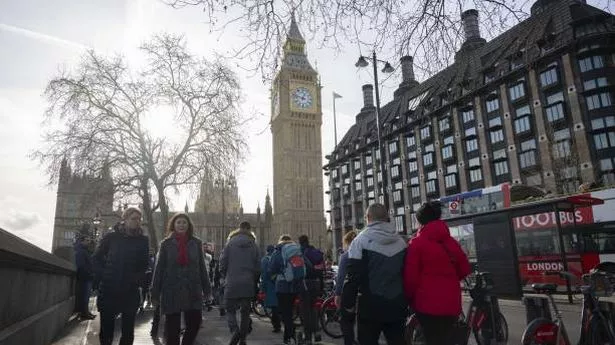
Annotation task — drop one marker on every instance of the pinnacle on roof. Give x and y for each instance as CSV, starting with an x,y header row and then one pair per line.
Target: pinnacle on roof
x,y
293,32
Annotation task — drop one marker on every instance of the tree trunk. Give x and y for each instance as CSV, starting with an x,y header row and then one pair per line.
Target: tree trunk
x,y
162,203
149,215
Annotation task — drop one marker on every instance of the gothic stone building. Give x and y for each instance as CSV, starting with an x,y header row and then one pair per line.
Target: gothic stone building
x,y
82,199
296,118
534,107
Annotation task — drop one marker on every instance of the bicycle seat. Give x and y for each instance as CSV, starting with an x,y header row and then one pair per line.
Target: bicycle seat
x,y
545,288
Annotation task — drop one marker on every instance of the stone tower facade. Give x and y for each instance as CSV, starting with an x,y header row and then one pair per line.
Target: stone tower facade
x,y
296,118
212,193
81,198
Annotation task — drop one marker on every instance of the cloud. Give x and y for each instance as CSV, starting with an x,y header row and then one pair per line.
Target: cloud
x,y
18,220
43,37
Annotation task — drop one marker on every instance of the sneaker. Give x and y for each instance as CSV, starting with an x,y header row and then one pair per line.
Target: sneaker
x,y
276,330
317,338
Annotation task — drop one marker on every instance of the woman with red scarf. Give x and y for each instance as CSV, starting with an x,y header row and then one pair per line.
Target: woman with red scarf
x,y
180,280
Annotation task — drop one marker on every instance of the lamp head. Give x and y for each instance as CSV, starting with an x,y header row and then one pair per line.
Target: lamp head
x,y
361,62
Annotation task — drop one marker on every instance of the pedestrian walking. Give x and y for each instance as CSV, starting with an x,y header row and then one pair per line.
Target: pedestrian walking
x,y
240,269
120,262
435,264
85,276
180,281
287,267
346,325
267,286
374,275
314,283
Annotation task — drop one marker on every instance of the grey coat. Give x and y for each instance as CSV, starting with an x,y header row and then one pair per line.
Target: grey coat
x,y
180,288
240,265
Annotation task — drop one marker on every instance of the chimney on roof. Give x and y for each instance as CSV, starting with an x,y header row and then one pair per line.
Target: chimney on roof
x,y
470,24
407,69
368,96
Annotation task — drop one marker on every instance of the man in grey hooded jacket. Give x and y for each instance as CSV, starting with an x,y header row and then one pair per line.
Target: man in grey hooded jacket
x,y
240,268
374,275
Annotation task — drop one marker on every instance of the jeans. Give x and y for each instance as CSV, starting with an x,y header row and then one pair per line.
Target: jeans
x,y
437,329
286,305
369,331
193,319
107,327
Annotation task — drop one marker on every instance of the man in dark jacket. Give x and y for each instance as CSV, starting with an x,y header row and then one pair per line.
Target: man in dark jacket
x,y
85,276
120,262
374,274
240,269
314,281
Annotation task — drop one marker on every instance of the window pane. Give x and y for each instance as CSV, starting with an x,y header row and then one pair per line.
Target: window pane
x,y
548,77
492,105
556,97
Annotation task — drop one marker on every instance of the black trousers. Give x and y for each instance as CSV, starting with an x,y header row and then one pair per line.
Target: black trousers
x,y
156,320
286,305
309,315
193,319
437,329
276,319
347,327
369,331
107,327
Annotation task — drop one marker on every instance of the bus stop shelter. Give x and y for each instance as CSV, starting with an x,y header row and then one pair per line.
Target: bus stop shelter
x,y
495,236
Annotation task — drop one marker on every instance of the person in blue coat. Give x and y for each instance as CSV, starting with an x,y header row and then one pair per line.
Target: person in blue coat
x,y
267,285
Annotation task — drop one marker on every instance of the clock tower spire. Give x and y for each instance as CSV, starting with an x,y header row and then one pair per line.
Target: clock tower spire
x,y
296,120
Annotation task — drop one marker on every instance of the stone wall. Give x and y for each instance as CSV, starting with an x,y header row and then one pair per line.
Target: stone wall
x,y
36,293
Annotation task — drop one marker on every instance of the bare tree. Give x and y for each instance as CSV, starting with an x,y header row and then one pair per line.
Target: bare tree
x,y
97,115
430,30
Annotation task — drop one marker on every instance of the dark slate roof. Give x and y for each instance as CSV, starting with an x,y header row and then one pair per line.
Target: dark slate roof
x,y
551,22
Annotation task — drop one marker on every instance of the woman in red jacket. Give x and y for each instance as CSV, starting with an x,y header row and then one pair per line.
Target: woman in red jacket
x,y
435,264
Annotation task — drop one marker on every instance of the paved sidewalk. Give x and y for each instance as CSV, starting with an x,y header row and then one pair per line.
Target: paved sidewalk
x,y
214,331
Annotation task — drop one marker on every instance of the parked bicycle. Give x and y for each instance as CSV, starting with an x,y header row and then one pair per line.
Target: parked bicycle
x,y
482,317
596,328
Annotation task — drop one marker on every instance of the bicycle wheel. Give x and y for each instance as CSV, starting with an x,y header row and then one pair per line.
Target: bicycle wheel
x,y
501,334
542,332
413,332
600,331
330,319
259,309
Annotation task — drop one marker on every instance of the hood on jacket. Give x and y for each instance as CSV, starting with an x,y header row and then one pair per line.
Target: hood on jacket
x,y
382,232
240,232
243,239
436,230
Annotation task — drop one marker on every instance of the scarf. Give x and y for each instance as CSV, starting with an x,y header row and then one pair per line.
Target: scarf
x,y
182,240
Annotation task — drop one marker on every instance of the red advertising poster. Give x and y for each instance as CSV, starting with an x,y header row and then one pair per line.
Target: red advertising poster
x,y
536,269
548,221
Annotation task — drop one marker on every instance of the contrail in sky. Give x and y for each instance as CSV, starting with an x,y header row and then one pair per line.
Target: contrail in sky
x,y
42,37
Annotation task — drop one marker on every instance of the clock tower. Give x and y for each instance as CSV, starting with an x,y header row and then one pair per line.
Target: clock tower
x,y
296,118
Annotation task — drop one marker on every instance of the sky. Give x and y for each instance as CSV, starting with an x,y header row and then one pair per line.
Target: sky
x,y
39,37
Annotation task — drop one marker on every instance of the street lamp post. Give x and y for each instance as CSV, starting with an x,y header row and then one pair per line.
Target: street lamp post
x,y
362,62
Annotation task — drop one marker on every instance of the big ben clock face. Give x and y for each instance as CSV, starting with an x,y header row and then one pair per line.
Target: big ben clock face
x,y
302,98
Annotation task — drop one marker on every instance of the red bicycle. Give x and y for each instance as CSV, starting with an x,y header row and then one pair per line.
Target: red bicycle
x,y
479,315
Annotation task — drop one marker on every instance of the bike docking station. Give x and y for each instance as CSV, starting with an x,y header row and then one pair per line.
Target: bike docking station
x,y
494,235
